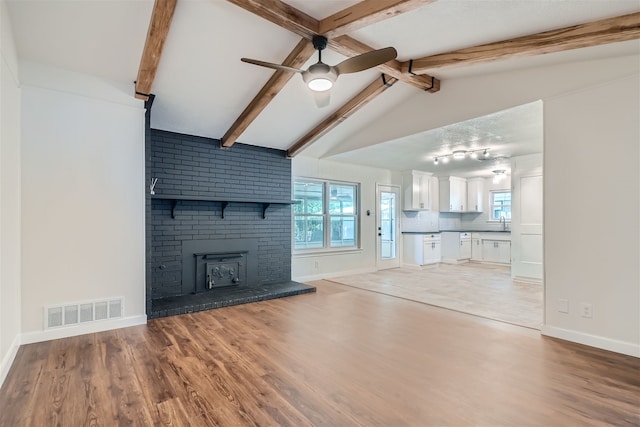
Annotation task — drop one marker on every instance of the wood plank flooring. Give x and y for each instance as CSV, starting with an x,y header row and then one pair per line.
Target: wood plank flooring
x,y
339,357
485,290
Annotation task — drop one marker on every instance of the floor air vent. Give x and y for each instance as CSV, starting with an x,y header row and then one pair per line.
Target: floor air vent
x,y
83,312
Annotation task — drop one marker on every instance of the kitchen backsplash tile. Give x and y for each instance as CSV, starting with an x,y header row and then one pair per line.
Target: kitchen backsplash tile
x,y
420,221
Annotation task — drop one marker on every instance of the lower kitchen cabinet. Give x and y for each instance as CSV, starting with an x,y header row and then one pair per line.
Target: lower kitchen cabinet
x,y
498,251
456,247
476,247
431,250
421,249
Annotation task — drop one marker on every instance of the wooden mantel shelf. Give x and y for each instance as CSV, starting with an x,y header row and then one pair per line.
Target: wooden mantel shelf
x,y
222,200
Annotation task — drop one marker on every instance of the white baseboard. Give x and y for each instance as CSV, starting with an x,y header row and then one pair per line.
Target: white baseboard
x,y
8,359
623,347
455,261
528,280
72,331
333,274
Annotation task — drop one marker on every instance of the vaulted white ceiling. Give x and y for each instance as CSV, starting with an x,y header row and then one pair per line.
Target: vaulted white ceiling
x,y
202,87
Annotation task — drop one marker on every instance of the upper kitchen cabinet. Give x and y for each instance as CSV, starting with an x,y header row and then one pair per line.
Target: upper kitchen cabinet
x,y
475,194
417,190
453,194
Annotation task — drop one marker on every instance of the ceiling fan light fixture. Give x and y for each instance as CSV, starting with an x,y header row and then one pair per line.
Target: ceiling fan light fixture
x,y
320,84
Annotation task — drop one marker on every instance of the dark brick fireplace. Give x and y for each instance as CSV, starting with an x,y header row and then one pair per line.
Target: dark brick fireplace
x,y
218,224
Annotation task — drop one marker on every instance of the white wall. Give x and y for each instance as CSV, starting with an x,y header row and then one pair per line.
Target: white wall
x,y
591,214
331,265
9,196
82,196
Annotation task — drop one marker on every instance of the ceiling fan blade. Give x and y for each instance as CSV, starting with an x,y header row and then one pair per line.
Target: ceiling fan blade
x,y
366,60
322,98
270,65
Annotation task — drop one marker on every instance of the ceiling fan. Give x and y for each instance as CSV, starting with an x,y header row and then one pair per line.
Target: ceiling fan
x,y
320,77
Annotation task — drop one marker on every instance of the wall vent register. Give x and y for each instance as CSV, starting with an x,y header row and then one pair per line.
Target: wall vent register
x,y
76,313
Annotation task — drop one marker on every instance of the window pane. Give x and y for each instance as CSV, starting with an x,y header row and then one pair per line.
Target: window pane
x,y
502,198
343,231
308,196
501,205
342,199
309,232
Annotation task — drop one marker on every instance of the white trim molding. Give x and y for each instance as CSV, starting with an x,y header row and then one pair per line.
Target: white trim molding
x,y
8,359
89,328
623,347
333,274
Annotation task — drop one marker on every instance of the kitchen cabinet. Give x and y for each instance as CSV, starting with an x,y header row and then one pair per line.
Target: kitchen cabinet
x,y
431,249
475,194
416,190
476,247
453,194
456,247
498,251
421,249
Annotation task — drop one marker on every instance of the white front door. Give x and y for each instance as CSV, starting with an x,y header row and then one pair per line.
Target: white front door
x,y
387,227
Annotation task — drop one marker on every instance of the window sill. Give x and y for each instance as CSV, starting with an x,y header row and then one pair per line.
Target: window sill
x,y
301,253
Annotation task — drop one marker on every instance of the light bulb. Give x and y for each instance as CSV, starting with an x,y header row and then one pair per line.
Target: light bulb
x,y
445,160
435,160
320,84
459,154
474,155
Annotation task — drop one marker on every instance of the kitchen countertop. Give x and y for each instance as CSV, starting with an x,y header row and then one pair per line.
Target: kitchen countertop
x,y
456,231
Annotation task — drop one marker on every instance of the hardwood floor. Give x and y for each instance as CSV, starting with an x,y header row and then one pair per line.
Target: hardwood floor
x,y
339,357
485,290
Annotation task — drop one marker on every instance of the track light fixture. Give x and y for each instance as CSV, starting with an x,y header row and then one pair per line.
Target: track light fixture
x,y
461,155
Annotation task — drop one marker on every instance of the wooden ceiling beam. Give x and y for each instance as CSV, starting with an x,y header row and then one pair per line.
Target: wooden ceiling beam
x,y
357,102
305,26
365,13
156,35
297,58
281,14
349,46
611,30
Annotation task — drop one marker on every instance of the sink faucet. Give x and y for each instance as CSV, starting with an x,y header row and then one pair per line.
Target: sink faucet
x,y
503,220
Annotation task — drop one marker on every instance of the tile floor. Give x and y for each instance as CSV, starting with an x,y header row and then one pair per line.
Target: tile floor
x,y
480,289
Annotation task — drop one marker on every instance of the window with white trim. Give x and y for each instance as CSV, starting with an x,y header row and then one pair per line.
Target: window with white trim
x,y
501,205
325,214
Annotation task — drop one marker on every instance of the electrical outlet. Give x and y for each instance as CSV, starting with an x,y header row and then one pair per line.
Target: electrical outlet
x,y
586,310
316,265
563,305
